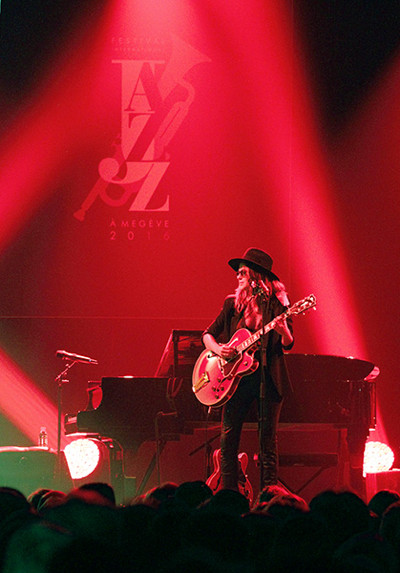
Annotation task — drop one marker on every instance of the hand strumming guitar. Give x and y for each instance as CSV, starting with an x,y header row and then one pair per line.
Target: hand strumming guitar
x,y
224,350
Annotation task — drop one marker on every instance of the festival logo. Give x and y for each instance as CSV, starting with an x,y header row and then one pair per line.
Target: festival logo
x,y
155,100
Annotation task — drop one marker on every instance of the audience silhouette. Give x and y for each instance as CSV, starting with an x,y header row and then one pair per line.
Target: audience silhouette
x,y
180,528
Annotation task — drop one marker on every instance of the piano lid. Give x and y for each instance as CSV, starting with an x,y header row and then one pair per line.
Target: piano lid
x,y
330,368
180,353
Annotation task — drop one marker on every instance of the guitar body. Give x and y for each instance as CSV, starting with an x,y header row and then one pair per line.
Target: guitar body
x,y
214,481
214,379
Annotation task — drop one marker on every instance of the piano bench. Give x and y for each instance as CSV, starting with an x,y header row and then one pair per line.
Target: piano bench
x,y
319,461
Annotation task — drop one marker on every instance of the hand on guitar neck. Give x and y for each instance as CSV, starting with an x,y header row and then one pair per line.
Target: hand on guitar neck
x,y
281,327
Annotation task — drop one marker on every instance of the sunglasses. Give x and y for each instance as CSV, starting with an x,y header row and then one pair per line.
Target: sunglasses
x,y
242,273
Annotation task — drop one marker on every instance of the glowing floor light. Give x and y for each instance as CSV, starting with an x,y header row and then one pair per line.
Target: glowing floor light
x,y
378,457
83,457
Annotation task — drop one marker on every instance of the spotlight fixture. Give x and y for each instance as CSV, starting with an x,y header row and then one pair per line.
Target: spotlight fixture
x,y
94,458
378,457
83,457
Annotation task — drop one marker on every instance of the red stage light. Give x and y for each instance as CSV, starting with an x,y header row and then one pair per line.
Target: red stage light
x,y
24,404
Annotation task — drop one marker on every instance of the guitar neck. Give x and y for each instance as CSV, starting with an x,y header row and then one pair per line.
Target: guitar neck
x,y
255,337
299,307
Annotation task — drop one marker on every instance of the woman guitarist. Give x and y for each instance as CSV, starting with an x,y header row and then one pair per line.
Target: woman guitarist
x,y
259,298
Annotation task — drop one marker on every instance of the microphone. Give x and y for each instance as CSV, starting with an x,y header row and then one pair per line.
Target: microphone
x,y
75,357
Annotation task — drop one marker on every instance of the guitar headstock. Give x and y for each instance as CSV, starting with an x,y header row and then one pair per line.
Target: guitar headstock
x,y
303,305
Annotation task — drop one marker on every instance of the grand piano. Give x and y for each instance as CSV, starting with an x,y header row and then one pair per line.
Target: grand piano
x,y
134,409
327,389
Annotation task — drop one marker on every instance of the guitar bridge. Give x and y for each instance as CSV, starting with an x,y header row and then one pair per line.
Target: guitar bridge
x,y
201,382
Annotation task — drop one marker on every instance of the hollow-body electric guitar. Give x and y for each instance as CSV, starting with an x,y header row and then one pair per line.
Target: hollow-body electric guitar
x,y
214,379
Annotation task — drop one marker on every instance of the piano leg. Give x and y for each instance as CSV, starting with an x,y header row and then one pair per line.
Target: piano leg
x,y
152,465
356,438
357,434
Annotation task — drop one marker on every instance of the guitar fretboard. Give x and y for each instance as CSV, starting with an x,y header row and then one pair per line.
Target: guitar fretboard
x,y
299,307
253,338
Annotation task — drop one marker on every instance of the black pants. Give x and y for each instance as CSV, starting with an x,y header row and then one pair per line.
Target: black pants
x,y
233,415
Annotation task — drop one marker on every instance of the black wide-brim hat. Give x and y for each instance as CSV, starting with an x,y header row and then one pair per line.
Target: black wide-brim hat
x,y
258,261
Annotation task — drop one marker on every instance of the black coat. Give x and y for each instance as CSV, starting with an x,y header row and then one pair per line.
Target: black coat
x,y
229,320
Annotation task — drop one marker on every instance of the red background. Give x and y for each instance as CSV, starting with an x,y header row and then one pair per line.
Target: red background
x,y
291,145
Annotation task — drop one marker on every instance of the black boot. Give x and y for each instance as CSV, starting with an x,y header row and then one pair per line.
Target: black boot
x,y
269,468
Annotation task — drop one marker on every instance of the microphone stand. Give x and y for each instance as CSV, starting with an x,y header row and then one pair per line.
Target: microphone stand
x,y
263,383
60,380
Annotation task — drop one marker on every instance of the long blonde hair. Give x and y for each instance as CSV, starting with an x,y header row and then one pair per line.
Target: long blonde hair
x,y
250,305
